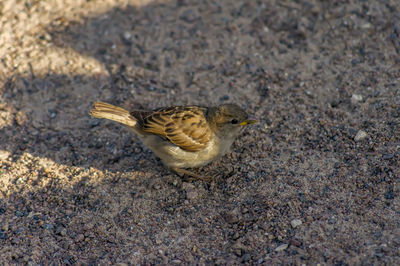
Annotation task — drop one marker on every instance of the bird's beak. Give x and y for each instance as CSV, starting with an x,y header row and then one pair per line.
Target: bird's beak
x,y
248,122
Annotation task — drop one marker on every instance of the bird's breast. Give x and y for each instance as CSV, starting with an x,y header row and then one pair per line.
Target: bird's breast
x,y
174,156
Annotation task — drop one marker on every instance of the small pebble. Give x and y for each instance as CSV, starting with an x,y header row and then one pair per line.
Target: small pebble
x,y
356,98
190,189
52,113
192,194
19,213
175,182
231,217
48,226
246,257
80,238
387,156
309,93
366,25
63,232
389,195
3,235
5,227
296,222
282,247
238,252
361,134
295,242
126,36
188,16
4,154
224,98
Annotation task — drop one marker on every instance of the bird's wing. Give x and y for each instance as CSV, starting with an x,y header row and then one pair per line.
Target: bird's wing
x,y
184,126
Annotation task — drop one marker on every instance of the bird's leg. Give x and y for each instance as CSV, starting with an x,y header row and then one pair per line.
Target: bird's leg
x,y
182,172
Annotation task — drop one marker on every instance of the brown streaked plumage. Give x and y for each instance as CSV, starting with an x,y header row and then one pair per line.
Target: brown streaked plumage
x,y
184,126
182,136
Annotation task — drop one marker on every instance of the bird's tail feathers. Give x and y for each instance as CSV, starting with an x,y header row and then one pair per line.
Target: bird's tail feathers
x,y
108,111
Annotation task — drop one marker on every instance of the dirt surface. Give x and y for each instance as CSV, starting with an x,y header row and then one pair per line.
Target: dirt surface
x,y
316,181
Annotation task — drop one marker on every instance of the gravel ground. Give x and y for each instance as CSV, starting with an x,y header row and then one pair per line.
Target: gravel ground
x,y
316,181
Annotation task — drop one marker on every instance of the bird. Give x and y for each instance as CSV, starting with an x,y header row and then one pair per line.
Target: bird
x,y
182,136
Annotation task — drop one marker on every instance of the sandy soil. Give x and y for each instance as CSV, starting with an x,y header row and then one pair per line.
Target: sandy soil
x,y
316,181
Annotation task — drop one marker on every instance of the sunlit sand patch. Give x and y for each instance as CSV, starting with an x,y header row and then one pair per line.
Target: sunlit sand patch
x,y
22,35
66,61
29,173
6,115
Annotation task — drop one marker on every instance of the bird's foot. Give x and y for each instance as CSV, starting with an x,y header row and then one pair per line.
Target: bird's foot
x,y
192,176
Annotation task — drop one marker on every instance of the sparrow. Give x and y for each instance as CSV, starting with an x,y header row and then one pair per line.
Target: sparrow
x,y
182,136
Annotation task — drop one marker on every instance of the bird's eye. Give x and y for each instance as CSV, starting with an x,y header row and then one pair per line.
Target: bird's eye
x,y
234,121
